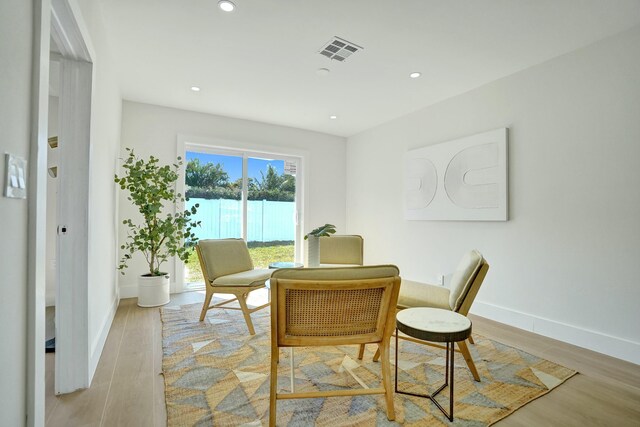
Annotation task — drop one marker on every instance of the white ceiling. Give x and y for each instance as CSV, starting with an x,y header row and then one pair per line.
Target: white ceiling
x,y
259,62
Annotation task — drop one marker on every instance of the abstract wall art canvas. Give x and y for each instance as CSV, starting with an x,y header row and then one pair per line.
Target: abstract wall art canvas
x,y
460,180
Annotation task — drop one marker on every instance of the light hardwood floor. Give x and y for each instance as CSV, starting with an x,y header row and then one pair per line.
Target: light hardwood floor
x,y
128,390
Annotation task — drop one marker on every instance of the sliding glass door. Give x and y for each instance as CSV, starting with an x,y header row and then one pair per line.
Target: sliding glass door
x,y
271,210
242,195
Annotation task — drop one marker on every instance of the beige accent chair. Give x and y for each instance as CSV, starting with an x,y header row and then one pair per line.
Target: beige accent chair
x,y
333,306
464,286
228,269
341,251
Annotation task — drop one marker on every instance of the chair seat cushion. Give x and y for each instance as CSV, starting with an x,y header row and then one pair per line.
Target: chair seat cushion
x,y
244,278
416,294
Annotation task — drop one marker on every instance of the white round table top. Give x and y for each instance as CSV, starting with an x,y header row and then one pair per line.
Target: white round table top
x,y
433,324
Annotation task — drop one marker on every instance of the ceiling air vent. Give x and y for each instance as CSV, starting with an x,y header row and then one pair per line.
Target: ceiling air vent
x,y
339,49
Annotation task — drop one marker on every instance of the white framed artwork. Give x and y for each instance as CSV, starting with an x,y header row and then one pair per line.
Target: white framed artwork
x,y
463,179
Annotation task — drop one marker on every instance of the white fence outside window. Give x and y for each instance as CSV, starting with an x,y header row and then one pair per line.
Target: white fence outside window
x,y
267,221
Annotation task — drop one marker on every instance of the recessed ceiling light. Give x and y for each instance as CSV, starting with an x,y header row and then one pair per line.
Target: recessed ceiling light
x,y
226,5
415,75
333,117
195,88
323,71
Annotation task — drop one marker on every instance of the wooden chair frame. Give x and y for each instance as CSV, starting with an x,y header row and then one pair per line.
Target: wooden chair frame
x,y
241,294
464,310
381,336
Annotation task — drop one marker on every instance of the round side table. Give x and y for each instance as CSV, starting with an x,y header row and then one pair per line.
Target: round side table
x,y
435,325
276,265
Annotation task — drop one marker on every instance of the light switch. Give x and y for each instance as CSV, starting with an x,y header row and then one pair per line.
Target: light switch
x,y
16,178
22,182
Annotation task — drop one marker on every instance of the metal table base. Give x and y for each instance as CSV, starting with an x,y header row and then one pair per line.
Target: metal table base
x,y
448,373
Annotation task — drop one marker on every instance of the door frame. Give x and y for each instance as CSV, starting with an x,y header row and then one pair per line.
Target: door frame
x,y
37,212
246,150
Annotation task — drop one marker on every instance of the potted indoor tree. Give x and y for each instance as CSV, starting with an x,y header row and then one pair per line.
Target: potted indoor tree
x,y
314,242
160,234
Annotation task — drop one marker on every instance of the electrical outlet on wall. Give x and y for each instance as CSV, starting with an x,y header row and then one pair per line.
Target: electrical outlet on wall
x,y
441,279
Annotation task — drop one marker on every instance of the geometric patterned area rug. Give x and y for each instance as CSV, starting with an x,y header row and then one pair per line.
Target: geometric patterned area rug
x,y
217,374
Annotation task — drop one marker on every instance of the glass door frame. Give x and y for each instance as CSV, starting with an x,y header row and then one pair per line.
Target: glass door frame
x,y
244,151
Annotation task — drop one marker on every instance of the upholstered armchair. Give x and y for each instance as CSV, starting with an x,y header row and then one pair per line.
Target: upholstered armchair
x,y
464,286
228,269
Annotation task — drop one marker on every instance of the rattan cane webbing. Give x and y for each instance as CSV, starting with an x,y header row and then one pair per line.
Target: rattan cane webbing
x,y
327,313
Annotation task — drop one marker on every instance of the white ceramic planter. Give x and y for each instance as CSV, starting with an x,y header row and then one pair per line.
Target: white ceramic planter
x,y
313,251
153,291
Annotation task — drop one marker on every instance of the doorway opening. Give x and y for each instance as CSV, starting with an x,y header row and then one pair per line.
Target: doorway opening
x,y
67,203
51,269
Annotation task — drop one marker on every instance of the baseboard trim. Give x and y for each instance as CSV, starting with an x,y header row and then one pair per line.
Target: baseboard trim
x,y
96,351
617,347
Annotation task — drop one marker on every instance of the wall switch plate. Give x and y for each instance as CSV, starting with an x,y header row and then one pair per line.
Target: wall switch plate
x,y
16,177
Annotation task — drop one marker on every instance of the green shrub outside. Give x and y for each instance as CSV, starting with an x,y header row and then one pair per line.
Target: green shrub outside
x,y
233,194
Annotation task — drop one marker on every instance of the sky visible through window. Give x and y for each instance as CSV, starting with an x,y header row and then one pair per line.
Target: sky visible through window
x,y
233,164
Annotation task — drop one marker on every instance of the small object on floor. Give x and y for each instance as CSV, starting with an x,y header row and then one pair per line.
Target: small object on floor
x,y
50,345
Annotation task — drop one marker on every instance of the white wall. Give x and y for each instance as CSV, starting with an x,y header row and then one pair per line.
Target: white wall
x,y
154,130
106,110
567,263
16,27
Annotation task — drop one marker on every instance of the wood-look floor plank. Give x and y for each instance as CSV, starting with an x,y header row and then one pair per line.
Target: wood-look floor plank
x,y
130,403
131,366
109,356
159,403
580,401
50,401
80,408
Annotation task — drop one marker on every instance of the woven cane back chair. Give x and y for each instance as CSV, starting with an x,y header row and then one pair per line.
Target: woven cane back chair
x,y
328,307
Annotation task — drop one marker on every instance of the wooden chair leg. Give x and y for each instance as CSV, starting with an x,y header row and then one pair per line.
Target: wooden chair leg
x,y
242,299
386,380
273,387
471,340
467,357
376,356
207,301
361,352
292,370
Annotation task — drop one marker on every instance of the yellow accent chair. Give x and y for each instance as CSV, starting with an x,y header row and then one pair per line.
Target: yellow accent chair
x,y
464,286
341,251
228,269
315,307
